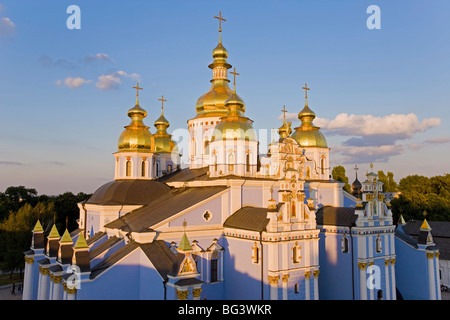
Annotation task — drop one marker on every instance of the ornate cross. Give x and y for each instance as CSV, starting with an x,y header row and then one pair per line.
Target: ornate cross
x,y
306,90
234,73
137,89
284,114
162,103
220,20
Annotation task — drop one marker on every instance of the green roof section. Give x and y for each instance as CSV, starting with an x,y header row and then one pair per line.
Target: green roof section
x,y
81,242
38,227
66,238
184,244
54,233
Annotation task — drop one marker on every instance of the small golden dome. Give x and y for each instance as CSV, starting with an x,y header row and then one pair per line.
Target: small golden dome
x,y
235,126
308,135
136,136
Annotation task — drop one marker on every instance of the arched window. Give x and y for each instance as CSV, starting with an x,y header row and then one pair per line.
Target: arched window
x,y
128,168
322,165
215,161
293,213
308,172
230,162
247,162
344,244
143,169
206,147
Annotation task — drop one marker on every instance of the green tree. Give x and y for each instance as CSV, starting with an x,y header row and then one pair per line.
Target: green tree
x,y
15,233
389,184
338,174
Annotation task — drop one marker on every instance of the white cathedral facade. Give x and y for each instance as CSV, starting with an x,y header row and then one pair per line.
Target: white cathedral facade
x,y
234,224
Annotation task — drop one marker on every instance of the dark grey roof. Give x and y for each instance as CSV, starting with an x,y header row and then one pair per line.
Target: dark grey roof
x,y
104,246
113,258
128,192
440,230
188,282
249,218
157,252
186,175
336,216
95,237
163,207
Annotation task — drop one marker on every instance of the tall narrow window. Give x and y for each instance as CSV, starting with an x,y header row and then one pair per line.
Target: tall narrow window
x,y
206,147
247,162
128,168
143,169
322,165
230,162
344,244
293,212
308,172
214,270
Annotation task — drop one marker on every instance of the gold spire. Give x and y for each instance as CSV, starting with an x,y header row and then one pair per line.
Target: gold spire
x,y
284,114
38,227
285,130
81,242
234,73
53,233
425,225
66,238
137,93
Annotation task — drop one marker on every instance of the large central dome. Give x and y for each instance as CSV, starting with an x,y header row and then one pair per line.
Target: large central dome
x,y
212,103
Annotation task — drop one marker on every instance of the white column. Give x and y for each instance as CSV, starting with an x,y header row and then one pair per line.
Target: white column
x,y
316,284
44,284
28,279
57,288
431,278
388,284
273,281
394,292
438,279
371,293
362,280
307,286
285,279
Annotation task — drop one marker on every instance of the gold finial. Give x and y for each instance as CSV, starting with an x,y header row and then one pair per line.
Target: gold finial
x,y
137,92
306,93
234,73
425,213
162,104
284,114
371,165
220,20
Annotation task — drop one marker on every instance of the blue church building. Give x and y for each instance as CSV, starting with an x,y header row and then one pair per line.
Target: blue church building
x,y
232,225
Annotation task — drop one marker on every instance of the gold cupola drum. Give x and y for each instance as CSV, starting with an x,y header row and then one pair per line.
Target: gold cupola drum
x,y
136,136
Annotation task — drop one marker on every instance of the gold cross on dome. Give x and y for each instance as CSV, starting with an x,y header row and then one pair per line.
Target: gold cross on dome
x,y
220,20
162,103
234,73
137,89
306,90
284,114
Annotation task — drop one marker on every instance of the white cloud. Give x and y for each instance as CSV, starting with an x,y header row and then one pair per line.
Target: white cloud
x,y
397,126
365,154
98,57
73,82
7,27
113,80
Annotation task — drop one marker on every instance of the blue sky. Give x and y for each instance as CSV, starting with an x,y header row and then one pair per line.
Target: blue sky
x,y
379,95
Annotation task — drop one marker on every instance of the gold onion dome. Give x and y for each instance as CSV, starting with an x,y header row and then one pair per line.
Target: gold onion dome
x,y
234,126
163,140
212,103
308,135
136,136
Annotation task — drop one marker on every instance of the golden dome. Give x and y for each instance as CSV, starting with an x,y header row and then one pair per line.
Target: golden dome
x,y
212,103
162,140
235,126
136,136
308,135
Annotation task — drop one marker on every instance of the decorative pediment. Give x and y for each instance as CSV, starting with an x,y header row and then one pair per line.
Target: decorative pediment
x,y
215,247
